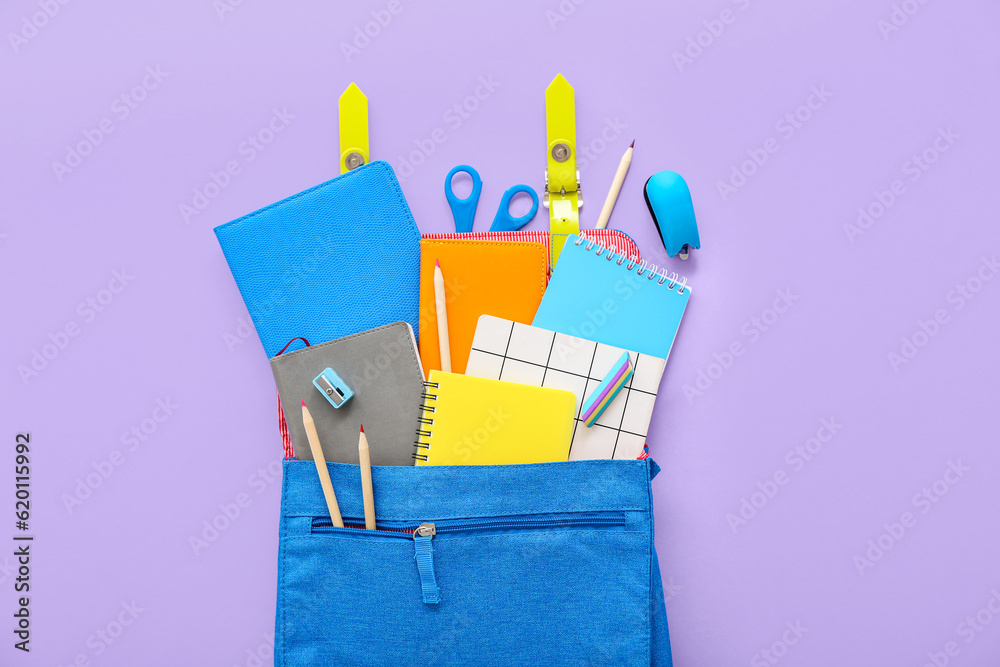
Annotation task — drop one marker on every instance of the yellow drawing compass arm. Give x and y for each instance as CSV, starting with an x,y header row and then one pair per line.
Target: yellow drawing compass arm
x,y
563,196
353,113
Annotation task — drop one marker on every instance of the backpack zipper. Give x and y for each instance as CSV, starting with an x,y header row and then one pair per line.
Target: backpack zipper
x,y
322,525
423,553
423,534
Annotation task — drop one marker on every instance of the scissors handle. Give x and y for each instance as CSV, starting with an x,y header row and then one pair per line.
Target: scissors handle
x,y
504,222
464,210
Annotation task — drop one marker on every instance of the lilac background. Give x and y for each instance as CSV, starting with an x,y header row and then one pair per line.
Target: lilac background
x,y
170,333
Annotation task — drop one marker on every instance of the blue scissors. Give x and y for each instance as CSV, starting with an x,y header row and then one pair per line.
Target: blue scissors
x,y
464,210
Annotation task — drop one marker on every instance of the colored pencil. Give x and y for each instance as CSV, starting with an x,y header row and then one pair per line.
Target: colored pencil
x,y
321,469
366,480
616,187
442,318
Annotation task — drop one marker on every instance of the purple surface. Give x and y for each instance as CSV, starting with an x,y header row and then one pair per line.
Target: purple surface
x,y
178,330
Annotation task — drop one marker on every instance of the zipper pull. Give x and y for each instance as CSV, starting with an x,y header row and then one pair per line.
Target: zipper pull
x,y
424,555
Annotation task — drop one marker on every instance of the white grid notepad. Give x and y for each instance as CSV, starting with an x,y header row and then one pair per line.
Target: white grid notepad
x,y
506,350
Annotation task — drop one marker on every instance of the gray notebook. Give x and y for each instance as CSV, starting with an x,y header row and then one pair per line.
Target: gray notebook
x,y
382,368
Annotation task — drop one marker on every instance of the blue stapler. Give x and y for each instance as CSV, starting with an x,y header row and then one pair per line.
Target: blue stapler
x,y
669,202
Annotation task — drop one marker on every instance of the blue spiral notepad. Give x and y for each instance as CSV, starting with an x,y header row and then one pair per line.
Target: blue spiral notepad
x,y
601,296
331,261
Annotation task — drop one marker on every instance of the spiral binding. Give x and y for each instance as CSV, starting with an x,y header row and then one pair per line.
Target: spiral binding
x,y
424,408
672,279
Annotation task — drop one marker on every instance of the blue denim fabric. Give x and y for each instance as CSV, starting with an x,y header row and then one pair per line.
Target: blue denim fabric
x,y
585,593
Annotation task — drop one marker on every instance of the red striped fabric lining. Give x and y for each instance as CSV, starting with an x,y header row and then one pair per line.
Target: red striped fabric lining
x,y
286,440
612,239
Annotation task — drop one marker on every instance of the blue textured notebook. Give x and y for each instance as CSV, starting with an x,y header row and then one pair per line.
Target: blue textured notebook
x,y
601,296
331,261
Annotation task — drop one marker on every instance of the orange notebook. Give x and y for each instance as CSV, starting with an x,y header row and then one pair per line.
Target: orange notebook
x,y
481,278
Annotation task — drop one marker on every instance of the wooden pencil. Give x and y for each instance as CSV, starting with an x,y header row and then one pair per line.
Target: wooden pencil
x,y
366,479
442,318
321,469
616,187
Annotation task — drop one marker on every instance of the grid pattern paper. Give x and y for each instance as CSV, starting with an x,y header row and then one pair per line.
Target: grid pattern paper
x,y
514,352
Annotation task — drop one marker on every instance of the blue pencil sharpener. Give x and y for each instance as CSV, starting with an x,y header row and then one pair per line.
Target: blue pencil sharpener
x,y
333,387
669,202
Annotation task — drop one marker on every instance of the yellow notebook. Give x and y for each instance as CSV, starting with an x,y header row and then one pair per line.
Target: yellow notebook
x,y
477,421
